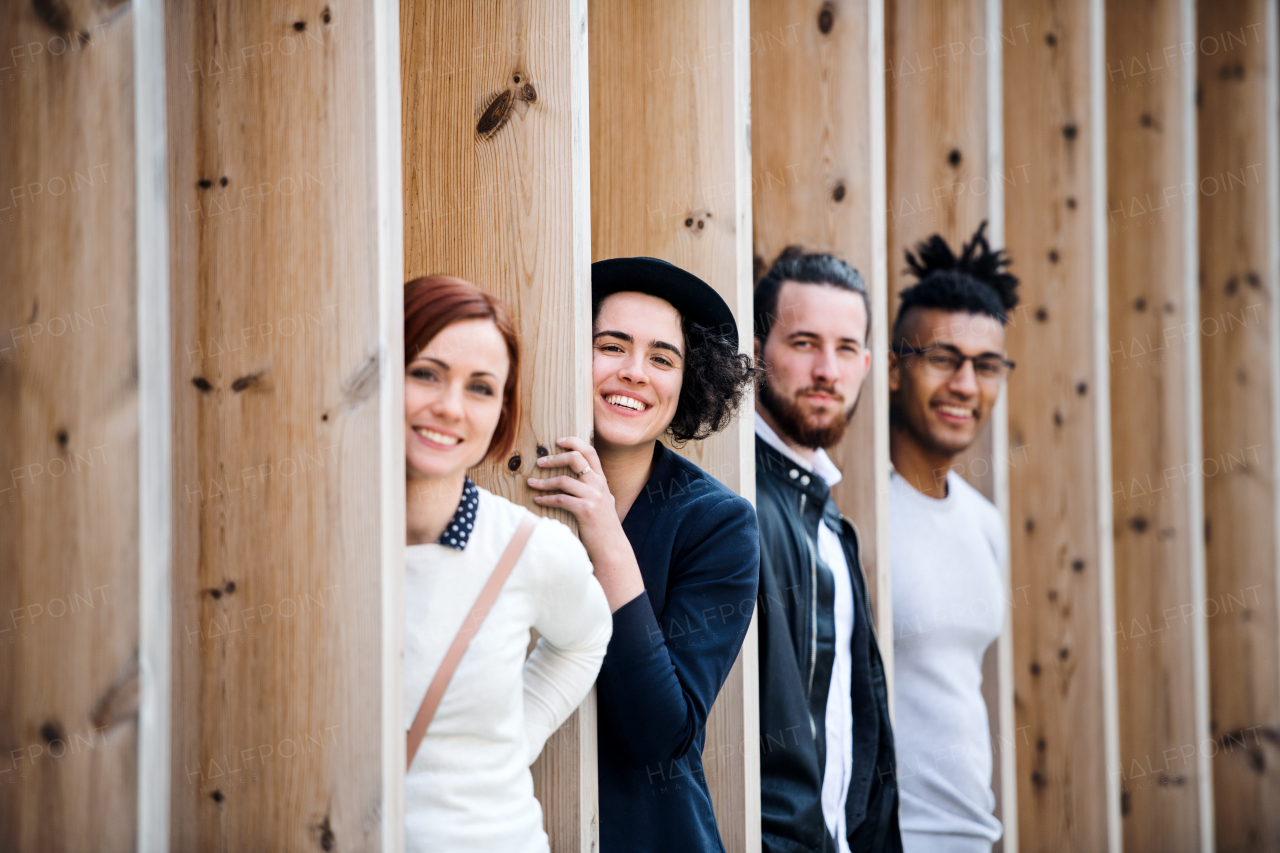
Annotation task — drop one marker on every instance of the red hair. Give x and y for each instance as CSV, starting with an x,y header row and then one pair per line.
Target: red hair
x,y
432,303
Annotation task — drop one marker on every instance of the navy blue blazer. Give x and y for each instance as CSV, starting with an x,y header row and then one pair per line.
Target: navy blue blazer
x,y
698,547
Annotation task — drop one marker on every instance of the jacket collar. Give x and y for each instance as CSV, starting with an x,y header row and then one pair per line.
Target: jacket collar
x,y
772,463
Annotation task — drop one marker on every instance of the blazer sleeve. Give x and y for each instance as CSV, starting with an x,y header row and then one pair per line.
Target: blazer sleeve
x,y
572,617
661,677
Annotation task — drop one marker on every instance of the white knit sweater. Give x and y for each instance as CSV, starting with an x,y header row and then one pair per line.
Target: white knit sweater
x,y
469,788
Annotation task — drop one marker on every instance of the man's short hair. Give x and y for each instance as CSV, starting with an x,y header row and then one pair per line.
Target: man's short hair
x,y
794,264
975,282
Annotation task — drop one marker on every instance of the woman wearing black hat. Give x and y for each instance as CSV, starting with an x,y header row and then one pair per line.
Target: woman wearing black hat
x,y
676,552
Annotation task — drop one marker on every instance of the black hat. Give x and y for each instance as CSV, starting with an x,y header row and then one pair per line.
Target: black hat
x,y
690,295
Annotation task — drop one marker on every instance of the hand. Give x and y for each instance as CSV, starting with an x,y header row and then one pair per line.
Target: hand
x,y
586,495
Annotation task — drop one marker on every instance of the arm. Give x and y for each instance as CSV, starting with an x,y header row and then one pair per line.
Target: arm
x,y
660,679
573,620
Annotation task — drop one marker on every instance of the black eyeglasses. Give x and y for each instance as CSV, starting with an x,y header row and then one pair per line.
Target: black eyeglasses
x,y
943,362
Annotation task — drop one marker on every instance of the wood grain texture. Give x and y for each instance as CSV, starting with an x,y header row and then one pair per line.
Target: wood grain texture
x,y
1057,404
818,180
68,429
1155,427
670,179
496,191
1239,240
281,370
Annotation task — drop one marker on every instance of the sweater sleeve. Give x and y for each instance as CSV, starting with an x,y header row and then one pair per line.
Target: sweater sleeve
x,y
572,617
661,677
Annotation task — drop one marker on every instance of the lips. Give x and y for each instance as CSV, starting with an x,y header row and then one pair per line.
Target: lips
x,y
625,403
436,437
953,413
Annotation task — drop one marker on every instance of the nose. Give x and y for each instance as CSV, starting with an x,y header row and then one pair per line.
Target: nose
x,y
826,366
964,381
448,405
633,370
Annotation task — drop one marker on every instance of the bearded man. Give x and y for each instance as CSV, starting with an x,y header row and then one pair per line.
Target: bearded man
x,y
827,781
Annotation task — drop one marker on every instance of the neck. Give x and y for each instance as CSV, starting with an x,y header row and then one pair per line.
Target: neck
x,y
627,469
429,504
805,453
923,468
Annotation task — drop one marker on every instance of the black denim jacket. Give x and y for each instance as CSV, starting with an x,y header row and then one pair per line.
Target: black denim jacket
x,y
797,651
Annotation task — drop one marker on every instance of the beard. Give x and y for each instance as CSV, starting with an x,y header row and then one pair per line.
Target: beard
x,y
798,427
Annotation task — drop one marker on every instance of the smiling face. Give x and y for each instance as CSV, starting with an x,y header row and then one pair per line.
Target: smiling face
x,y
637,368
816,356
453,399
943,415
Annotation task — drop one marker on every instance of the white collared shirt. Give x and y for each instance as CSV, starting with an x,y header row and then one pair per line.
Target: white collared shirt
x,y
839,720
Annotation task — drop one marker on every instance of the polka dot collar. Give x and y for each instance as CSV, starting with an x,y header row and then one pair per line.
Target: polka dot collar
x,y
458,531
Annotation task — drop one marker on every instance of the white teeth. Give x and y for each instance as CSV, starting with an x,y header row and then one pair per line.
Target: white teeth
x,y
955,411
627,402
437,437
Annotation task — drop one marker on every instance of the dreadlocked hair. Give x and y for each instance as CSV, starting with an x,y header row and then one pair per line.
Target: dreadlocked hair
x,y
976,282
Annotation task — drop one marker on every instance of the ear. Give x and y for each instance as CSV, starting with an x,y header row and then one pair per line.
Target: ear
x,y
895,380
757,347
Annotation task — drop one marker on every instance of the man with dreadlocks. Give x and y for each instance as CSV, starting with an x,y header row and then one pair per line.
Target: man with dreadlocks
x,y
946,368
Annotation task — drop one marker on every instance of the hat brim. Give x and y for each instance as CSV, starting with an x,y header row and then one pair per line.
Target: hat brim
x,y
687,293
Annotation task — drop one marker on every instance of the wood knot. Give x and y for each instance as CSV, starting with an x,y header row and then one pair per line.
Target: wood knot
x,y
838,193
1077,565
50,732
513,464
826,18
1139,524
495,115
1070,131
202,384
954,157
245,382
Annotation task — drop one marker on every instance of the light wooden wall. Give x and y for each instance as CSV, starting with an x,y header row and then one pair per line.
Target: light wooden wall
x,y
1239,251
818,179
69,420
1061,550
946,174
287,425
1166,793
496,191
670,173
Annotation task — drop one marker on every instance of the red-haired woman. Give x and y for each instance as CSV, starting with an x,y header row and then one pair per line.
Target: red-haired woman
x,y
468,785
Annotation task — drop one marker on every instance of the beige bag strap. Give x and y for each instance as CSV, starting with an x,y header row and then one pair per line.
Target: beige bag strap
x,y
470,625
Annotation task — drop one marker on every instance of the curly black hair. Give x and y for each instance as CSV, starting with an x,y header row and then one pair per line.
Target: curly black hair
x,y
714,381
975,282
716,378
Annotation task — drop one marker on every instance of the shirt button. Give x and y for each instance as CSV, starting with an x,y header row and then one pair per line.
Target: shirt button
x,y
804,481
794,473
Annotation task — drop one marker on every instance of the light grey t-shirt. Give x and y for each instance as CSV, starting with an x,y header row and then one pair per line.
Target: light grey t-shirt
x,y
948,607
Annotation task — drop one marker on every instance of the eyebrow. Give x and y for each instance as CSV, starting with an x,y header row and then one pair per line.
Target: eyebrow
x,y
445,365
623,336
955,349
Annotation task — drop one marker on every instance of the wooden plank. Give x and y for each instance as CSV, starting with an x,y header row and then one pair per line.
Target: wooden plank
x,y
1164,768
818,180
155,440
69,418
687,201
507,208
1239,241
284,362
1058,410
946,174
938,125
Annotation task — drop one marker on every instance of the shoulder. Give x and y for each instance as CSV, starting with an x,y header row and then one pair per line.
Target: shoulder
x,y
978,508
550,538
